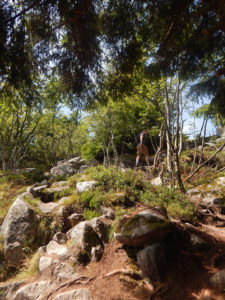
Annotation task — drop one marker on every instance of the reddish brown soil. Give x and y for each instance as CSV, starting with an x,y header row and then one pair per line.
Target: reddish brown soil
x,y
186,276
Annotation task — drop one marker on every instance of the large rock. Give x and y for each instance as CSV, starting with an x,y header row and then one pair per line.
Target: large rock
x,y
78,294
99,227
146,227
20,223
69,167
8,289
63,169
152,261
32,291
87,241
217,281
85,186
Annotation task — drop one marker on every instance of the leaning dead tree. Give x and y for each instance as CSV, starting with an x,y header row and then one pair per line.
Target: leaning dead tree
x,y
205,162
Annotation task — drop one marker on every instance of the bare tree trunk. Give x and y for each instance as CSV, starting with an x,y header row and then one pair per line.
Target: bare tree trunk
x,y
115,153
176,148
108,155
160,147
168,139
203,141
181,127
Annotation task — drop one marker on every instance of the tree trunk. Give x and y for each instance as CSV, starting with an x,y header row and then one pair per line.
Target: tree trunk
x,y
160,147
168,139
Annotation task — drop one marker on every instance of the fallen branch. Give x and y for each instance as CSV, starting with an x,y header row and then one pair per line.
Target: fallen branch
x,y
69,283
204,163
220,170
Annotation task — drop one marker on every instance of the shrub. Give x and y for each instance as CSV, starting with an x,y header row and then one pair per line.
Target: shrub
x,y
92,199
176,203
90,214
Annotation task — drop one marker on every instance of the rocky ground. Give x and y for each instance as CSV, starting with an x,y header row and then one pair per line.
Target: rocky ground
x,y
147,255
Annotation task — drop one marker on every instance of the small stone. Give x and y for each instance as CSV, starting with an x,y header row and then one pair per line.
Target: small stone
x,y
59,184
60,238
53,248
75,219
108,212
197,243
157,181
13,254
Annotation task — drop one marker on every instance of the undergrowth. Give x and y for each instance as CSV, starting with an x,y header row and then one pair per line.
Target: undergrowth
x,y
31,269
126,189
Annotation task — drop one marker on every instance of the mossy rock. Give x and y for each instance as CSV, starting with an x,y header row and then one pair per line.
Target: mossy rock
x,y
147,226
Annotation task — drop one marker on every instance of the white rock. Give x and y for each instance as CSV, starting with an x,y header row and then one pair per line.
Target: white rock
x,y
63,271
32,291
47,208
85,186
58,184
53,248
8,289
78,294
156,181
44,263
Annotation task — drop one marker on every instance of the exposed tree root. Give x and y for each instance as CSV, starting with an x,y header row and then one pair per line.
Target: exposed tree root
x,y
119,271
159,290
69,283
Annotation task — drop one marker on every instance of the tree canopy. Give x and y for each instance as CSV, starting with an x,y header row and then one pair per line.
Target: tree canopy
x,y
77,38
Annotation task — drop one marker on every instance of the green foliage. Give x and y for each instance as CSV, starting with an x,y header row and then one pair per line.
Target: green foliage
x,y
63,193
124,189
113,178
73,199
90,214
92,199
28,246
90,150
58,133
72,181
23,177
176,203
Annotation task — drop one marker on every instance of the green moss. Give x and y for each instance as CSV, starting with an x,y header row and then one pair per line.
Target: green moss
x,y
134,222
33,202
